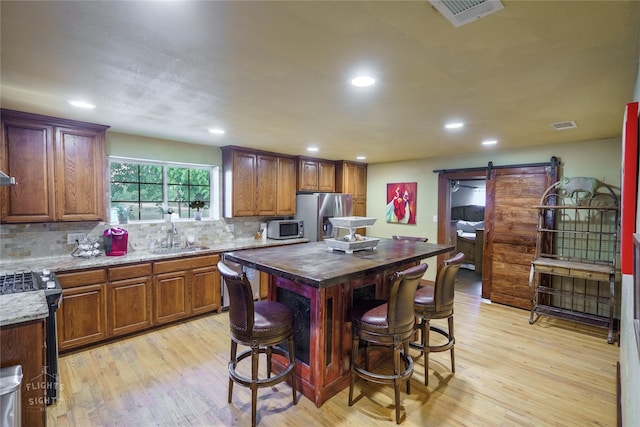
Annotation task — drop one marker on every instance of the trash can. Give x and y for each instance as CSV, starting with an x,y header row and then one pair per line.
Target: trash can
x,y
10,401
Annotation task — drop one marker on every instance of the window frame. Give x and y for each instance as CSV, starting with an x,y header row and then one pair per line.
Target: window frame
x,y
214,186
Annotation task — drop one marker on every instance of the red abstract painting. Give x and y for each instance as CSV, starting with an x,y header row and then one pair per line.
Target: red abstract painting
x,y
401,202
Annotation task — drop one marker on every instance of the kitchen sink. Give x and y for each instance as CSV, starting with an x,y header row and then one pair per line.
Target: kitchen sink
x,y
179,250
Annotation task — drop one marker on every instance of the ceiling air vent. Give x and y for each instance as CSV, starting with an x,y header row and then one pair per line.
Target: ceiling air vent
x,y
460,12
564,125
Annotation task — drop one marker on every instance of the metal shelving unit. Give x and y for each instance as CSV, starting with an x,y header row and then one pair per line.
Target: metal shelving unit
x,y
574,270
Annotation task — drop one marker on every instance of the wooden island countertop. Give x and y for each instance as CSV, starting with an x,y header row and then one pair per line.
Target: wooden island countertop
x,y
321,286
313,264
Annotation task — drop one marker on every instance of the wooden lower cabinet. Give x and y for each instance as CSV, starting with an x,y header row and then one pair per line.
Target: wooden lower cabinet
x,y
82,316
171,297
102,303
205,290
129,298
185,287
24,344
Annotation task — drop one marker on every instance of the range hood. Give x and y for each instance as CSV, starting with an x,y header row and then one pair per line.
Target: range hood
x,y
6,179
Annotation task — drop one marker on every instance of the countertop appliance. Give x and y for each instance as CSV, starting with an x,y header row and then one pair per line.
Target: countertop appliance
x,y
315,210
116,241
13,283
252,274
285,229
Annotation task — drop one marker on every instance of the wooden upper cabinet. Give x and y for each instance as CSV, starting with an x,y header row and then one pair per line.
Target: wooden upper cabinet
x,y
257,183
26,155
286,201
315,175
80,173
267,184
240,186
59,165
326,176
307,175
351,178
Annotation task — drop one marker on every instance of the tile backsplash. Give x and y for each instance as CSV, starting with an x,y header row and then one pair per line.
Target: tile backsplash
x,y
50,239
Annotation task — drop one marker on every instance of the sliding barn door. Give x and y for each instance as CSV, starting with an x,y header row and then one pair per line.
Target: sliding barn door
x,y
510,230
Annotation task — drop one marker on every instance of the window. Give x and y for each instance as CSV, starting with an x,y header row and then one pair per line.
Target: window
x,y
146,190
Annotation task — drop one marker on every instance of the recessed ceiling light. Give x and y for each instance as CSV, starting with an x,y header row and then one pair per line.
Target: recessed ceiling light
x,y
312,149
454,125
363,81
361,158
82,104
217,131
490,142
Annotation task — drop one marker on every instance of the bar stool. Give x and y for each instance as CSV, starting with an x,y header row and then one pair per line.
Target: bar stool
x,y
387,324
435,301
260,326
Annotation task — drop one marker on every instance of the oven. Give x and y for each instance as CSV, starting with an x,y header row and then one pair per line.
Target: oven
x,y
46,281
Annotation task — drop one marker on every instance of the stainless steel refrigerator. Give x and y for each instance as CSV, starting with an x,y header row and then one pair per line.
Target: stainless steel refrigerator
x,y
316,209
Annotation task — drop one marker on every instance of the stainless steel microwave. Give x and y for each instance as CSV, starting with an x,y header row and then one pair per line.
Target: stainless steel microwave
x,y
285,229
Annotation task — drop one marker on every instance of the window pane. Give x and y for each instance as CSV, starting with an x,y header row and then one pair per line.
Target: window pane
x,y
199,193
199,177
151,174
177,193
124,172
150,211
151,192
124,192
177,175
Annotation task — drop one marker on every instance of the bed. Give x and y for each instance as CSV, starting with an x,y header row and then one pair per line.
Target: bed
x,y
467,222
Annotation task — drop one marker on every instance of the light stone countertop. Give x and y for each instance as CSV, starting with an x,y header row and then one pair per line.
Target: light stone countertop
x,y
70,263
22,307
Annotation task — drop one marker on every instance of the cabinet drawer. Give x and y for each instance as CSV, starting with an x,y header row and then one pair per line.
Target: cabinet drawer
x,y
547,269
185,263
589,275
205,261
81,278
129,271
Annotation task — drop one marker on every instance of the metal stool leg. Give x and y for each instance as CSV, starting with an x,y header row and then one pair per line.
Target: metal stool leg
x,y
233,360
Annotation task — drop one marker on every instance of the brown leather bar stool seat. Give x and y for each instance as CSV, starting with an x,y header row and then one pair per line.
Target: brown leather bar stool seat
x,y
259,326
387,324
435,301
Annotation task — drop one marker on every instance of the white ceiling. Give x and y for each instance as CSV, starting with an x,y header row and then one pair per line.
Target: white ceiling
x,y
275,74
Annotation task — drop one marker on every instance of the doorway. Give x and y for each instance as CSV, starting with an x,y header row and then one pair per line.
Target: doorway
x,y
465,200
507,244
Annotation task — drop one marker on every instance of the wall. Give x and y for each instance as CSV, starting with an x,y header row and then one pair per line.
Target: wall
x,y
140,147
599,159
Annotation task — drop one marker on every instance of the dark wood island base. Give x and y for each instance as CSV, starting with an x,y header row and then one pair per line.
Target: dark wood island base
x,y
321,287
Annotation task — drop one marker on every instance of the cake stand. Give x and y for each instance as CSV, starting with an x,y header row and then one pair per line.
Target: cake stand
x,y
352,242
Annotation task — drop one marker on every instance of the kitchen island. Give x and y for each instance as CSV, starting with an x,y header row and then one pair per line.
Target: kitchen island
x,y
321,286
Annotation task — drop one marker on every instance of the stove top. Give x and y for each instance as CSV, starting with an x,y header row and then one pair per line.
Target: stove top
x,y
13,283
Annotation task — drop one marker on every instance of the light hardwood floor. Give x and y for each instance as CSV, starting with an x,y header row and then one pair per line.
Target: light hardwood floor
x,y
508,373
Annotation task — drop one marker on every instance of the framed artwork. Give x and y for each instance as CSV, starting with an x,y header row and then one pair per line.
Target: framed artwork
x,y
401,202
